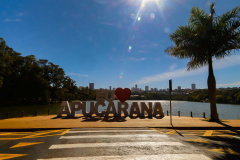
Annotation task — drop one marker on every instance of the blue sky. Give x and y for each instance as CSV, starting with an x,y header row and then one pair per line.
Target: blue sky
x,y
105,41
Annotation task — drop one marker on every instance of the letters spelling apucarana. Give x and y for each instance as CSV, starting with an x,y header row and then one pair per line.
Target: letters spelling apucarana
x,y
152,110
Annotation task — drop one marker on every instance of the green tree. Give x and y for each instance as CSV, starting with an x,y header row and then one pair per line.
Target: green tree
x,y
206,37
237,98
26,80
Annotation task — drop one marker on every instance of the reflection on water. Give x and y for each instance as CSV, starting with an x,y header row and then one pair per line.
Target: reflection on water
x,y
225,111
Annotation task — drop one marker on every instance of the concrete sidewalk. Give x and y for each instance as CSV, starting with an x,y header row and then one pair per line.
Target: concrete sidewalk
x,y
51,122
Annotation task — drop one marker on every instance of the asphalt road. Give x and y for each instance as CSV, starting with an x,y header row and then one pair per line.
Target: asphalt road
x,y
120,143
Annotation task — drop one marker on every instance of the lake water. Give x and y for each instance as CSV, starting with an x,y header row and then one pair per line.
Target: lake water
x,y
225,111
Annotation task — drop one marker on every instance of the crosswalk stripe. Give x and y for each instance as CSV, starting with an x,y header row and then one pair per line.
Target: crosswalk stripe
x,y
142,133
115,136
111,131
139,157
119,144
236,137
99,129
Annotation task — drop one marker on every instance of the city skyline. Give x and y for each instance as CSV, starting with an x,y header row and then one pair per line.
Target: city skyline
x,y
112,43
147,88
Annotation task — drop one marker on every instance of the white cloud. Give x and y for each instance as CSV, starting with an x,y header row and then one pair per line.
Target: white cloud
x,y
229,84
136,59
172,67
148,44
143,51
12,20
3,12
100,1
217,64
76,15
79,75
107,23
226,62
20,14
169,75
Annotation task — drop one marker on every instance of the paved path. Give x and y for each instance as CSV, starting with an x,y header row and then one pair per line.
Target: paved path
x,y
119,142
125,143
45,122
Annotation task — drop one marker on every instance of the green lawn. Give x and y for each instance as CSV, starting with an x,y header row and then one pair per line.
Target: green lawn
x,y
16,111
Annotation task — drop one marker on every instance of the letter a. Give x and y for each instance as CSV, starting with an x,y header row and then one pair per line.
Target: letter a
x,y
64,109
111,109
158,110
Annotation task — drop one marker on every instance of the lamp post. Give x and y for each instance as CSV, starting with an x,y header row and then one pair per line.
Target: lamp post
x,y
170,90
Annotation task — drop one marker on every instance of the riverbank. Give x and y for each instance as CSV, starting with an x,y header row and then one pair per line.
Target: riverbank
x,y
52,122
184,108
29,110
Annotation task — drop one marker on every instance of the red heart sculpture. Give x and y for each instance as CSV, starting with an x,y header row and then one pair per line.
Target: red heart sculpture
x,y
123,94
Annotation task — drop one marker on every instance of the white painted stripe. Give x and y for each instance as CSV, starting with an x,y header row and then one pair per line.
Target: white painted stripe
x,y
119,144
236,137
99,129
112,131
115,136
139,157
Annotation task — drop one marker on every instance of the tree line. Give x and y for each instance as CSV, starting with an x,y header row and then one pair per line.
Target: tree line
x,y
230,96
26,80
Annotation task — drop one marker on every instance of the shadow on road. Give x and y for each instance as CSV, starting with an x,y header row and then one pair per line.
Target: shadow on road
x,y
176,131
104,119
227,147
233,129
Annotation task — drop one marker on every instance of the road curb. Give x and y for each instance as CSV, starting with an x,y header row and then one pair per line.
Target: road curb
x,y
179,128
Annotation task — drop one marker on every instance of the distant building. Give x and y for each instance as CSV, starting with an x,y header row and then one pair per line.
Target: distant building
x,y
114,88
155,89
179,88
193,86
146,88
91,86
110,87
136,87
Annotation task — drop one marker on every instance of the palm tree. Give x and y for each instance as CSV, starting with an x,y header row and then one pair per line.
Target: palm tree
x,y
206,37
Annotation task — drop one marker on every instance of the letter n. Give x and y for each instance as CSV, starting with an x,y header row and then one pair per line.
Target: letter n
x,y
134,110
147,109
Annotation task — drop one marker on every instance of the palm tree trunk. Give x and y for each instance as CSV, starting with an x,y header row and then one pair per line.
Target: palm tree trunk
x,y
212,92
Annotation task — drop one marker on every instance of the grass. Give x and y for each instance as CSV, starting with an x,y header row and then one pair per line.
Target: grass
x,y
16,111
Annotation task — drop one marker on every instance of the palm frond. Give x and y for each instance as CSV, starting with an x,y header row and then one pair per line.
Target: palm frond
x,y
205,37
195,63
212,10
226,18
198,17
